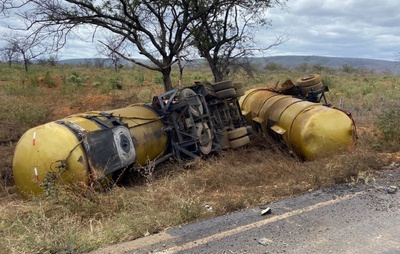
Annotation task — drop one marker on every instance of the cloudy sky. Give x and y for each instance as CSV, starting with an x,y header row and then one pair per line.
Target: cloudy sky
x,y
342,28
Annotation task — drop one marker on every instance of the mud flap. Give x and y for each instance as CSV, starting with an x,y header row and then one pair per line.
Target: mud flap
x,y
108,150
259,124
278,130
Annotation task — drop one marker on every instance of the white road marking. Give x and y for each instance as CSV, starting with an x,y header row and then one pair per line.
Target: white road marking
x,y
221,235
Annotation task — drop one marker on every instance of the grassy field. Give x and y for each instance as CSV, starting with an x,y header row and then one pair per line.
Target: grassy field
x,y
72,220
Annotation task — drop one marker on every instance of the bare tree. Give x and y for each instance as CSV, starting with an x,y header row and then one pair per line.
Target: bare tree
x,y
186,56
9,54
156,29
26,47
52,60
225,36
110,47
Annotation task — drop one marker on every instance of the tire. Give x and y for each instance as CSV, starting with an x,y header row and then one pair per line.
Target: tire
x,y
195,110
316,87
210,90
240,142
239,92
249,129
200,130
227,93
238,85
225,140
237,133
222,85
309,80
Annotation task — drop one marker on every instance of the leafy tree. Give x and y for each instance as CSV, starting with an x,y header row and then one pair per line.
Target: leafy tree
x,y
225,37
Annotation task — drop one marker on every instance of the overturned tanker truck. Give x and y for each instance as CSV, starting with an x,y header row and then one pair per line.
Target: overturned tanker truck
x,y
96,148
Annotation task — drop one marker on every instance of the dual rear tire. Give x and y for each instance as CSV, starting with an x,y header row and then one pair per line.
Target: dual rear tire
x,y
228,89
239,137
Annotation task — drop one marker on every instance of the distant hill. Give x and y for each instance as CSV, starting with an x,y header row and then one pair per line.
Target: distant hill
x,y
87,61
287,61
332,62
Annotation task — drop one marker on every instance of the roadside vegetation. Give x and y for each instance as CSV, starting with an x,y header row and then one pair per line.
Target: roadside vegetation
x,y
73,220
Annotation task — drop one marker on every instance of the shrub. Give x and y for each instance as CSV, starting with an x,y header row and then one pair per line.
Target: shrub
x,y
31,81
75,79
158,80
389,125
116,82
274,67
145,95
139,78
48,81
18,90
31,114
11,89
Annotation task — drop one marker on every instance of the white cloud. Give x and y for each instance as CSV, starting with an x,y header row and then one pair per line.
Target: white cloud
x,y
346,28
349,28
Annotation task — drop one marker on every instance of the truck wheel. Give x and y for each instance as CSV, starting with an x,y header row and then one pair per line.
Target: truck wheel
x,y
238,85
225,140
222,85
309,80
249,129
237,133
239,92
196,110
203,132
226,93
316,87
240,142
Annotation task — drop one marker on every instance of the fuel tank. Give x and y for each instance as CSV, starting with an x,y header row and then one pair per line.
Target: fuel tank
x,y
309,130
86,148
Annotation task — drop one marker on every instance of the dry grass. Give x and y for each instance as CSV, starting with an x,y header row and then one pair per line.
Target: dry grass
x,y
74,219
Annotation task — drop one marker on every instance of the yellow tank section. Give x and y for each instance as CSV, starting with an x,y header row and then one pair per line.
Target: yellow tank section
x,y
39,155
85,148
310,130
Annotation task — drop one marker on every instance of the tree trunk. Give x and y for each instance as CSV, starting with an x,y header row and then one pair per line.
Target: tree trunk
x,y
26,62
166,72
217,73
212,62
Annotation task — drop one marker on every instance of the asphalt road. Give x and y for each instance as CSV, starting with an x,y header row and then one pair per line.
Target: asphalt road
x,y
360,218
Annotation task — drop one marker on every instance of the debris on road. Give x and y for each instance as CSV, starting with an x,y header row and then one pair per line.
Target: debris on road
x,y
264,241
392,189
266,210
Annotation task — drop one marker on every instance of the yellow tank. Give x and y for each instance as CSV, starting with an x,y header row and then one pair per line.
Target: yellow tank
x,y
88,147
310,130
